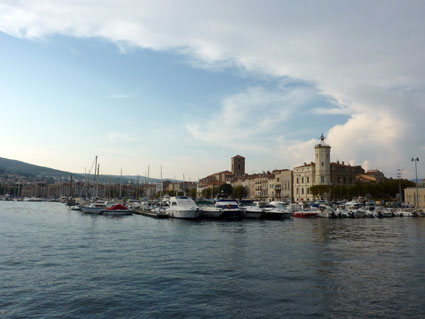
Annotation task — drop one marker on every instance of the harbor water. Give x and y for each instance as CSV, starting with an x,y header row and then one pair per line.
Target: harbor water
x,y
58,263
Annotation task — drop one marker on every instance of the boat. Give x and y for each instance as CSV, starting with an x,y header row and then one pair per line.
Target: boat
x,y
95,208
183,207
116,210
306,212
326,211
276,210
208,209
251,210
230,209
383,212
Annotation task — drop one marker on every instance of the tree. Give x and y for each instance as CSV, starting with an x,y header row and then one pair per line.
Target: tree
x,y
239,192
193,193
225,190
319,190
207,192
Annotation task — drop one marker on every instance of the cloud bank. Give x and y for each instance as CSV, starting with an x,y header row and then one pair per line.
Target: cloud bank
x,y
367,55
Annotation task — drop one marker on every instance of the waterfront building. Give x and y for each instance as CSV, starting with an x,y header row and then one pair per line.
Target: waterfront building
x,y
283,185
410,196
322,172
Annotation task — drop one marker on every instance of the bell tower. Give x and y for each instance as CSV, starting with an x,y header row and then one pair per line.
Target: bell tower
x,y
323,163
238,165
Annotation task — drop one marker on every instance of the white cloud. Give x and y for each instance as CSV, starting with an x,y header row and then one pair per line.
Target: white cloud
x,y
367,55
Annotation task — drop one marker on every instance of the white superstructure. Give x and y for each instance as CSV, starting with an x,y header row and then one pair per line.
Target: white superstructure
x,y
183,207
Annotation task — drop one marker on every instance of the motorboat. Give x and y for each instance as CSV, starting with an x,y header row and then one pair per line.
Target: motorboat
x,y
116,210
95,208
306,212
230,209
326,211
276,210
383,212
208,209
251,210
183,207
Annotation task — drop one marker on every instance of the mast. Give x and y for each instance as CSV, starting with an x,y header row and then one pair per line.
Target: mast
x,y
97,179
95,176
120,182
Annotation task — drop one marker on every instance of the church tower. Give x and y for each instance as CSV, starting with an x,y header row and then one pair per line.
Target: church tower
x,y
238,165
323,163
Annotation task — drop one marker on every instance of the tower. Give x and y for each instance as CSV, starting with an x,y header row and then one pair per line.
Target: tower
x,y
238,165
323,163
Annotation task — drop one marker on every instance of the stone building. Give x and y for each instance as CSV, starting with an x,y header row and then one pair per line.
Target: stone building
x,y
238,165
322,172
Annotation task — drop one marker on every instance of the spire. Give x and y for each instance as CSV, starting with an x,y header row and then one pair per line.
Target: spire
x,y
322,138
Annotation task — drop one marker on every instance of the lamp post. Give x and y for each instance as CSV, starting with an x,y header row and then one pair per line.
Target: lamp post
x,y
416,160
399,174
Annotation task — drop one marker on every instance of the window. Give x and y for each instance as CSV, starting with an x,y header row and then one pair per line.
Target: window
x,y
302,180
302,191
297,191
297,180
322,179
322,164
308,191
308,179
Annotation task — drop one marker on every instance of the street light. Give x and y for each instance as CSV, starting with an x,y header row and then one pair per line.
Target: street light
x,y
416,160
399,174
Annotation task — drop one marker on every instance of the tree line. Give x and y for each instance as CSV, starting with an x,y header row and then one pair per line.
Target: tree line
x,y
385,190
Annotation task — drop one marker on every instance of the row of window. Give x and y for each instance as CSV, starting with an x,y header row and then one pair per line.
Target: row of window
x,y
302,180
302,191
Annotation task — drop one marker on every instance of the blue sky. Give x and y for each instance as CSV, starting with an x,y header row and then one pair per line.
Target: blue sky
x,y
142,87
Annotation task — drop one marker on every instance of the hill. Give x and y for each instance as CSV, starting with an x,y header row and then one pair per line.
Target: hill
x,y
31,172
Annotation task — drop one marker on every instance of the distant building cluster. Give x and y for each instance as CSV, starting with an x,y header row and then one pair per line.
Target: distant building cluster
x,y
295,185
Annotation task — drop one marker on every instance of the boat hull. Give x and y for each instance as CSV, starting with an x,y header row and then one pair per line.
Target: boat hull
x,y
252,214
233,214
116,212
92,210
305,214
184,214
211,213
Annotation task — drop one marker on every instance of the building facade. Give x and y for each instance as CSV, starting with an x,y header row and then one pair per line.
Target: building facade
x,y
322,172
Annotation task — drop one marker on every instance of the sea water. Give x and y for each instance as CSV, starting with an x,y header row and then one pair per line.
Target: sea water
x,y
58,263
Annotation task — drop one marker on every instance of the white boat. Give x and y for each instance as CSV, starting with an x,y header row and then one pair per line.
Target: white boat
x,y
326,211
208,209
183,207
383,212
230,208
251,210
276,210
95,208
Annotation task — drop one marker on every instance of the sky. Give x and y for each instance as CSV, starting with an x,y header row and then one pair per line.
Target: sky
x,y
186,85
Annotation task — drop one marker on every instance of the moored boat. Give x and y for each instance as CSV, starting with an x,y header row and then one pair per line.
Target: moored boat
x,y
183,207
94,208
116,210
230,208
251,210
208,209
276,210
